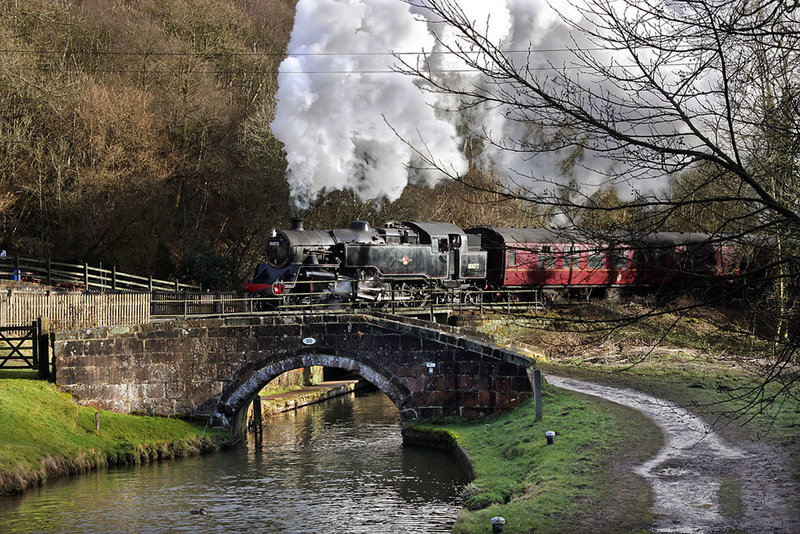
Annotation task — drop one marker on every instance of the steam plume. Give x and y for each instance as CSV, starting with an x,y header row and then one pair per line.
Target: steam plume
x,y
347,121
341,108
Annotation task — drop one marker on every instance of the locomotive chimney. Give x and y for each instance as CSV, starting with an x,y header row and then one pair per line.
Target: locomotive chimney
x,y
297,223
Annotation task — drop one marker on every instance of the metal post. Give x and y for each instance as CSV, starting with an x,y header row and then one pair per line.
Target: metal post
x,y
49,272
394,309
537,393
86,276
431,298
258,422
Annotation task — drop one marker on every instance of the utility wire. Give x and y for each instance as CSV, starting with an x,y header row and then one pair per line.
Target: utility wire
x,y
106,70
276,54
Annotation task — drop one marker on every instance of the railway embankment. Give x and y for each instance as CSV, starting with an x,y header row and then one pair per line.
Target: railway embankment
x,y
45,434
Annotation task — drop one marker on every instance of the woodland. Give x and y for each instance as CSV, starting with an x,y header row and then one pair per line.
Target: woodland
x,y
136,134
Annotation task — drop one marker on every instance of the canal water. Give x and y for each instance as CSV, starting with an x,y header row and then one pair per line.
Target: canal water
x,y
333,467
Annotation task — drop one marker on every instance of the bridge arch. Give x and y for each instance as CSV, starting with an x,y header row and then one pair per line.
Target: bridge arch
x,y
210,368
235,399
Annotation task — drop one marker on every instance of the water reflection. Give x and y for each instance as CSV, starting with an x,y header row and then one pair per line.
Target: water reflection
x,y
333,467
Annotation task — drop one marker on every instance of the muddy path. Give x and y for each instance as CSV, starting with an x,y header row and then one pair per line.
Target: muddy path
x,y
700,483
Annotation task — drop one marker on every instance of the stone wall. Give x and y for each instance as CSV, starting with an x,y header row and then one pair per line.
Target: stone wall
x,y
213,367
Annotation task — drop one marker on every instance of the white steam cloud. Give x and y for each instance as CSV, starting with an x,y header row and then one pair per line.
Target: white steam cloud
x,y
341,108
348,122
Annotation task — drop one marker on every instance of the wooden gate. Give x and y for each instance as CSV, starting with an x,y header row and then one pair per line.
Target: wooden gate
x,y
25,347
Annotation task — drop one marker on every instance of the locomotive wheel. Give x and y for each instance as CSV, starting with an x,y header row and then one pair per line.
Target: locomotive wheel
x,y
472,297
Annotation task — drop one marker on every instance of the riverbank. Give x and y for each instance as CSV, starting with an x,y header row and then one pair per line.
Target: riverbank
x,y
681,370
568,486
44,434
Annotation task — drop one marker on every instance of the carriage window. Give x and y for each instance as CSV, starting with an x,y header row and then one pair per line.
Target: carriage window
x,y
547,258
512,258
620,259
443,244
597,260
572,258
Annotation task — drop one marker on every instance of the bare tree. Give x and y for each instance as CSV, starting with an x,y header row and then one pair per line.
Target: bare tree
x,y
705,93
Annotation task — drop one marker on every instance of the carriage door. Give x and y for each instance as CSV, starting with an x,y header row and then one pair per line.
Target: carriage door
x,y
455,256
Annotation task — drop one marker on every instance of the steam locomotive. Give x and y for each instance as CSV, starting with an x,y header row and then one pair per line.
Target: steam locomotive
x,y
410,263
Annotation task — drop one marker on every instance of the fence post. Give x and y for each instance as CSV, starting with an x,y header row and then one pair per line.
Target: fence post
x,y
35,342
432,298
150,282
49,272
113,277
43,347
394,307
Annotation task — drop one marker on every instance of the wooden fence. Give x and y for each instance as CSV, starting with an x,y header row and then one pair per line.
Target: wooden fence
x,y
73,309
83,276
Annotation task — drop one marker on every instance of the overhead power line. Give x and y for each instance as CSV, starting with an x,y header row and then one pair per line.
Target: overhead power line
x,y
275,54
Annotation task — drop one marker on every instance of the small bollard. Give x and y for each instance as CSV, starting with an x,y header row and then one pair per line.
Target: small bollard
x,y
97,421
498,524
551,436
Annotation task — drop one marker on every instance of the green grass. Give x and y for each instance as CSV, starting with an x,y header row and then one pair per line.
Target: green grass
x,y
43,434
579,483
560,487
729,399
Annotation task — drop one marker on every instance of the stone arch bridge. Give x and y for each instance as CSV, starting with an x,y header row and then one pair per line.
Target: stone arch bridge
x,y
212,368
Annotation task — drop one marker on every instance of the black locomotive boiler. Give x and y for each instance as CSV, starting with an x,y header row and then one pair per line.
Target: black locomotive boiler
x,y
401,262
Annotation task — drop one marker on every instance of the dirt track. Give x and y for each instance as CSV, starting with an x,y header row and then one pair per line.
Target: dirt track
x,y
687,473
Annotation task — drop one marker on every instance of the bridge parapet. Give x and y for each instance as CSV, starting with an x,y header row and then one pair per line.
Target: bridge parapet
x,y
214,367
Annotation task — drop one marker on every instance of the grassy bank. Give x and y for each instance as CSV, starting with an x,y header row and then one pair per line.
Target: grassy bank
x,y
568,486
692,359
583,482
45,434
